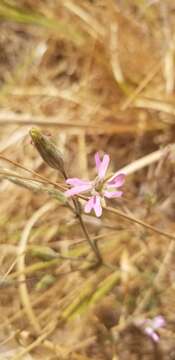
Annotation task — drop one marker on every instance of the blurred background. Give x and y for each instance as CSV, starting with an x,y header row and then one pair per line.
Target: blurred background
x,y
93,75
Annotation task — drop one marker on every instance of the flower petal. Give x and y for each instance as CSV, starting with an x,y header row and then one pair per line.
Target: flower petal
x,y
151,333
103,166
77,182
89,205
94,203
155,336
77,189
97,161
113,194
158,322
117,181
97,206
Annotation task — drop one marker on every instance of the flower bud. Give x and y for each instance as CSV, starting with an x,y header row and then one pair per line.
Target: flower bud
x,y
48,150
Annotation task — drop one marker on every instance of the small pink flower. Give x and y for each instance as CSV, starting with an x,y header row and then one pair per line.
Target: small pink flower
x,y
150,326
98,188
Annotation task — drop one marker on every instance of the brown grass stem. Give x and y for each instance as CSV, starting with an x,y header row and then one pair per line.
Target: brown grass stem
x,y
90,128
140,222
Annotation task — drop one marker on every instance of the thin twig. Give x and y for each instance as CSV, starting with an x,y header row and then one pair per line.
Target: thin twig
x,y
140,222
59,186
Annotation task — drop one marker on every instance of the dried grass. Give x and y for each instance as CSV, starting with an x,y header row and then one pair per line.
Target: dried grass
x,y
97,75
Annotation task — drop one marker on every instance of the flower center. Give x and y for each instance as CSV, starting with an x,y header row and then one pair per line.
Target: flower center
x,y
98,185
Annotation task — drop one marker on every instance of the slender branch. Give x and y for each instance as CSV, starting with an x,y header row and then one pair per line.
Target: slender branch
x,y
59,186
140,222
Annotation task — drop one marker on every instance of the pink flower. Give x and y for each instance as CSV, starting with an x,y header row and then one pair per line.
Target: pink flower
x,y
151,325
98,188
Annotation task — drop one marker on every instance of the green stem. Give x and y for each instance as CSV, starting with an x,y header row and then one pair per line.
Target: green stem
x,y
91,243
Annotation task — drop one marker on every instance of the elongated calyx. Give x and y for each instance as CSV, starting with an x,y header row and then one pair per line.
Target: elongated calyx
x,y
48,150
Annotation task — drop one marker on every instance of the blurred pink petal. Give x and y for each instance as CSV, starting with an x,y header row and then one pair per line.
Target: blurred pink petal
x,y
89,205
103,166
97,161
158,322
77,182
149,326
151,333
97,206
117,181
94,203
77,189
112,194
